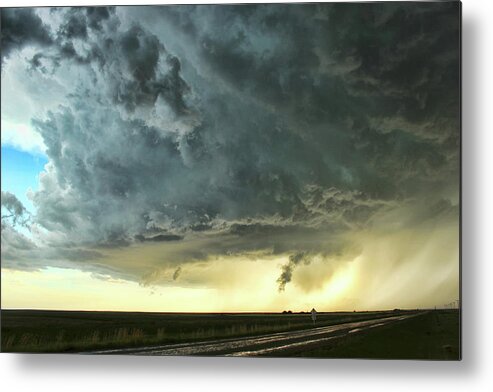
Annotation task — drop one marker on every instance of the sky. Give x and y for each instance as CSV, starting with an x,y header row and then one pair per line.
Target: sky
x,y
231,158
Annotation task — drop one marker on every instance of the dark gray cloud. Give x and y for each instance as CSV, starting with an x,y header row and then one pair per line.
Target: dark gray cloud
x,y
258,128
22,27
177,273
20,252
287,269
74,27
160,238
97,15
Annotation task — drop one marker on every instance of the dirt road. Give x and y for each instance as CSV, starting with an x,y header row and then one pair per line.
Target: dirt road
x,y
276,344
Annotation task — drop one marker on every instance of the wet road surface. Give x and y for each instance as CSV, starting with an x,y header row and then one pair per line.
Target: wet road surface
x,y
275,344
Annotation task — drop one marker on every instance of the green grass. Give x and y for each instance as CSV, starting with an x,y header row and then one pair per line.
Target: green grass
x,y
62,331
434,336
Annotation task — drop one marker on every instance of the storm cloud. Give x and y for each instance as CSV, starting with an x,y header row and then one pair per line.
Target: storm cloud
x,y
287,269
22,27
239,130
15,212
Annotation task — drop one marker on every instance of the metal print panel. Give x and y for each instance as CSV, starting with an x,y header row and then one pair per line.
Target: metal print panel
x,y
242,180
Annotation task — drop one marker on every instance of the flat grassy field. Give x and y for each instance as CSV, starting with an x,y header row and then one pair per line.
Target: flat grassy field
x,y
432,336
63,331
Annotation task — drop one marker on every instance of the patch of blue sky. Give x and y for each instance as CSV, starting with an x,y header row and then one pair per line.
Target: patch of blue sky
x,y
20,172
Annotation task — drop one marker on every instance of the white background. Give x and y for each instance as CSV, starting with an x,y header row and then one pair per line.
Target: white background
x,y
473,373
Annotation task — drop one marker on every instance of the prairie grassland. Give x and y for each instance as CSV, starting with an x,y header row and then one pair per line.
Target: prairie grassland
x,y
62,331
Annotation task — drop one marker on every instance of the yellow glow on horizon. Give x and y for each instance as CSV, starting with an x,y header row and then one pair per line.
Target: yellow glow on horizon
x,y
66,289
239,285
342,282
405,269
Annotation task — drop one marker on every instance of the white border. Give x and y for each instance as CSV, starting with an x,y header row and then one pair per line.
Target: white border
x,y
87,374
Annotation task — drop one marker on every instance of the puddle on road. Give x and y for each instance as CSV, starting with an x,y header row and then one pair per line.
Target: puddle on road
x,y
278,341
